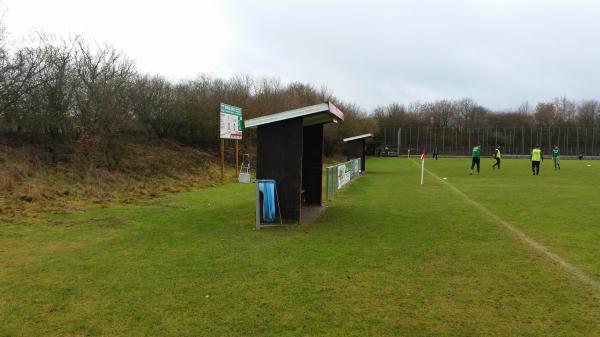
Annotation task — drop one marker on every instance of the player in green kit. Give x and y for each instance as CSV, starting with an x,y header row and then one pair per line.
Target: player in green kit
x,y
476,158
556,157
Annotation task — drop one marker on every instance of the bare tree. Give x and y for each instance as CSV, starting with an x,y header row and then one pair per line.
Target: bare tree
x,y
20,73
587,113
103,105
544,114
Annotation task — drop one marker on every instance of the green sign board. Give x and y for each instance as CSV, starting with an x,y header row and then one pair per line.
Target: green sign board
x,y
231,122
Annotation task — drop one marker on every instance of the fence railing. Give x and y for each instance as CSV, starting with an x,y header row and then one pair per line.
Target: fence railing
x,y
514,140
337,176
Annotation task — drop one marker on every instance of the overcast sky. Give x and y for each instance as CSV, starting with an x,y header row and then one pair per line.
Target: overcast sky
x,y
500,53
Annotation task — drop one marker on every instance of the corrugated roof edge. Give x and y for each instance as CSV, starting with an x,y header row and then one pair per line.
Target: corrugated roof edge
x,y
300,112
366,135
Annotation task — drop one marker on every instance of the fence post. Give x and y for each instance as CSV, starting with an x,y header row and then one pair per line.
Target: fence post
x,y
530,138
398,143
593,141
577,136
550,138
326,186
257,211
522,140
444,139
567,140
385,137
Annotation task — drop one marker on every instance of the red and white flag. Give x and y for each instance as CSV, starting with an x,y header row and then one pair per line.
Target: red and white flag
x,y
423,155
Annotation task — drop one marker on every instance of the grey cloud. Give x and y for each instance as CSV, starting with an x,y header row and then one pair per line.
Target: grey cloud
x,y
378,52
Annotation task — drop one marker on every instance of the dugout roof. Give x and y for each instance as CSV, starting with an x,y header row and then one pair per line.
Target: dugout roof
x,y
311,115
366,135
290,150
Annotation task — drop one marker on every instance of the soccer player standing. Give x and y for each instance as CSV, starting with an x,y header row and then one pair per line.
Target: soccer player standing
x,y
556,157
536,158
475,158
497,156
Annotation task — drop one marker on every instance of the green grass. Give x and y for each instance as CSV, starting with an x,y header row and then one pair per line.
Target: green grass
x,y
387,258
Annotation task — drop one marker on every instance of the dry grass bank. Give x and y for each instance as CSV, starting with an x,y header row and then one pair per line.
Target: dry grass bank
x,y
36,179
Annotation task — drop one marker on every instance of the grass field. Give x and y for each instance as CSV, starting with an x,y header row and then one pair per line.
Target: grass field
x,y
388,258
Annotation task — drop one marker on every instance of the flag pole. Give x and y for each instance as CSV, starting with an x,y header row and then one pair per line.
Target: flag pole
x,y
422,165
422,169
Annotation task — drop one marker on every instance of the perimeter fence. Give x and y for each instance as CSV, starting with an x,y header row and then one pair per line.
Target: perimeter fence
x,y
337,176
513,140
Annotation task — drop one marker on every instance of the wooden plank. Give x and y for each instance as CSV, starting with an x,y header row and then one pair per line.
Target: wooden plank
x,y
237,158
279,157
222,159
356,149
312,164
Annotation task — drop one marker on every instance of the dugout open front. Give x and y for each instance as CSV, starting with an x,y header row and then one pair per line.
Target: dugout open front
x,y
356,148
290,151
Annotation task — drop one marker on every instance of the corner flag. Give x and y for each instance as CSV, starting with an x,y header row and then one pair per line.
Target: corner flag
x,y
422,165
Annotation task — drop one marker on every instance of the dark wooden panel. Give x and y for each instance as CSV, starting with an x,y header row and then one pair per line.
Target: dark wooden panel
x,y
279,157
356,149
312,164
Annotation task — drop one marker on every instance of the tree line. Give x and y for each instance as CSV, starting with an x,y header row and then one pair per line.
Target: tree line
x,y
72,90
466,113
76,91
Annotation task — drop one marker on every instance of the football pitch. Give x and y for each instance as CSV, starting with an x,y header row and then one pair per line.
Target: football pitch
x,y
503,253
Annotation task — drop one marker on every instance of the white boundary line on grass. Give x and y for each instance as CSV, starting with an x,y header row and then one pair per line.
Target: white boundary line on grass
x,y
580,275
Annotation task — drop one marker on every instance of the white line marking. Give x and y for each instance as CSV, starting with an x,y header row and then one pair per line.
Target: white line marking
x,y
578,273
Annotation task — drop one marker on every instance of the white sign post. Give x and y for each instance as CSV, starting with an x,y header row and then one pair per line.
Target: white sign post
x,y
230,128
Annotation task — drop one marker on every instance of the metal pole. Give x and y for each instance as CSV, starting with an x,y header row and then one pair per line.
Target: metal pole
x,y
418,137
567,140
577,135
444,139
257,212
399,140
334,181
549,138
278,208
531,138
409,139
456,141
326,186
522,140
434,137
398,143
469,132
593,141
384,137
585,143
422,169
558,139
